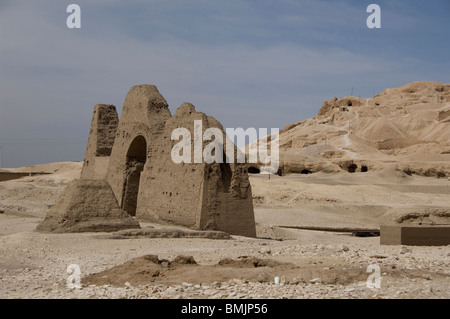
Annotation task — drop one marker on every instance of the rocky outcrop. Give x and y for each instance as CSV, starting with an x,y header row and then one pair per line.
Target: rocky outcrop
x,y
406,128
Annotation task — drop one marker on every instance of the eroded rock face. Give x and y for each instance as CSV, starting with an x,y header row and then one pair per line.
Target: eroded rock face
x,y
144,179
87,206
406,128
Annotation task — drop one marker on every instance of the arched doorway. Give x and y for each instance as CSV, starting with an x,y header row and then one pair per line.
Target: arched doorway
x,y
136,156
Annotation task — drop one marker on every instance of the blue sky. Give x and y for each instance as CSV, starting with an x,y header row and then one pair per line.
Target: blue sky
x,y
248,63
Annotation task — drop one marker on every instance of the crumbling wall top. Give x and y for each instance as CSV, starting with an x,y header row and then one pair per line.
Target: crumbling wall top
x,y
144,99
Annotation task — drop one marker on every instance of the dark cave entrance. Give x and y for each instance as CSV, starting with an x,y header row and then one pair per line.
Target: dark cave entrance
x,y
352,168
136,156
254,170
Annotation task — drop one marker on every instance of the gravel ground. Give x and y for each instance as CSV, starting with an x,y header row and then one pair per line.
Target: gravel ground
x,y
40,270
330,265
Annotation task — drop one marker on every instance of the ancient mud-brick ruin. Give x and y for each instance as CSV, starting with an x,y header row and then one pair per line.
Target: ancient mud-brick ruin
x,y
133,155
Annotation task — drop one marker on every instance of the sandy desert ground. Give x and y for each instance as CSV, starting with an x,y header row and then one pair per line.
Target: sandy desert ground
x,y
310,264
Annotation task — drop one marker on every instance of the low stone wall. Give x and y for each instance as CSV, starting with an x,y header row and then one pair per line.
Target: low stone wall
x,y
423,235
7,176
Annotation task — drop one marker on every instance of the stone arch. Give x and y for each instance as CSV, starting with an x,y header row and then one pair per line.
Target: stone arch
x,y
135,161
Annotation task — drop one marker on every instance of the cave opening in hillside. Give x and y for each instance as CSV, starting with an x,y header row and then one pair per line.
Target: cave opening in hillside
x,y
306,172
364,169
352,168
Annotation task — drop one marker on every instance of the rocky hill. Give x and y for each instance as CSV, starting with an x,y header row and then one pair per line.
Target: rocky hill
x,y
406,129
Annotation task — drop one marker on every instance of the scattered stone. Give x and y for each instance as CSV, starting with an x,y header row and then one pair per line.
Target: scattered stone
x,y
265,250
185,260
171,290
316,281
296,281
263,278
405,250
379,257
237,281
208,292
350,289
150,232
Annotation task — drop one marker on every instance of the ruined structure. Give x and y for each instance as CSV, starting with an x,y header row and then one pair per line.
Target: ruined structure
x,y
86,205
133,155
101,140
415,235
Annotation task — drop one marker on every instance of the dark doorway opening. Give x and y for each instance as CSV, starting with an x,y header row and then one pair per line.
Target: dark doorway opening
x,y
352,168
253,170
364,169
225,170
136,157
